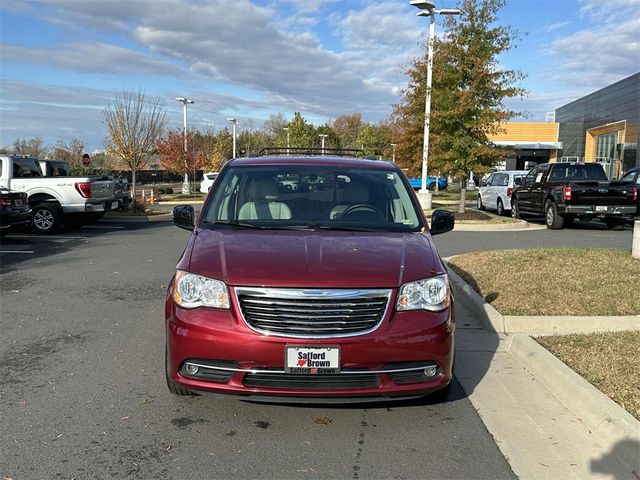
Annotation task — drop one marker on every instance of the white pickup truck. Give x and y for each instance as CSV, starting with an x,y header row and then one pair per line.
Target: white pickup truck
x,y
54,200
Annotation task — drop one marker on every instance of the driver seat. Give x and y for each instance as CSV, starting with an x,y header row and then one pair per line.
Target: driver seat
x,y
354,193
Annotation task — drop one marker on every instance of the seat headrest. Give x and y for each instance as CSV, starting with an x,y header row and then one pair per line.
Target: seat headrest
x,y
264,188
356,192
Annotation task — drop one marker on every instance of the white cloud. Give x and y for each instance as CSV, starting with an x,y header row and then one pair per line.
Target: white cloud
x,y
89,57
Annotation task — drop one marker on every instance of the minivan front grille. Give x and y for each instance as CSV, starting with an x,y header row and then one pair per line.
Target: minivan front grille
x,y
312,313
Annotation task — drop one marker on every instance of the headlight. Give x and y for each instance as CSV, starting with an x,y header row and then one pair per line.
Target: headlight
x,y
428,294
191,291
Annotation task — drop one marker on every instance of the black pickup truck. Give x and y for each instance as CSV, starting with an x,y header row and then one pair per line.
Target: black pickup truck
x,y
565,191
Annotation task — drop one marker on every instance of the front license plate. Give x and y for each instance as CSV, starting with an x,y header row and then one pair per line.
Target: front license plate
x,y
312,360
601,208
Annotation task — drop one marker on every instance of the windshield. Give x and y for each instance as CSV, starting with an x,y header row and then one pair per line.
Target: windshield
x,y
325,197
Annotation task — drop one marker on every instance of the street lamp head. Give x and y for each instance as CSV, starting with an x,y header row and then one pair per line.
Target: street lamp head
x,y
423,4
231,119
184,100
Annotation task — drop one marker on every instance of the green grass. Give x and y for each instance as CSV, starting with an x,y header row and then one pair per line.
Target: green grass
x,y
554,281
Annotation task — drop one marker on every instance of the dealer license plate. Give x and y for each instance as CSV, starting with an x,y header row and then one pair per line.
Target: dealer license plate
x,y
312,360
601,208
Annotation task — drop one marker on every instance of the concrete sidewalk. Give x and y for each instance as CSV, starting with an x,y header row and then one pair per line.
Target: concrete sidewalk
x,y
539,436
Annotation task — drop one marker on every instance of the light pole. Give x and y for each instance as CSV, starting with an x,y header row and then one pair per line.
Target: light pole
x,y
323,136
393,157
233,121
185,183
286,129
428,9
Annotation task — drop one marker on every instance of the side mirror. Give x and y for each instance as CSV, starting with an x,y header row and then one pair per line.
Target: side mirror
x,y
441,222
517,181
183,217
483,183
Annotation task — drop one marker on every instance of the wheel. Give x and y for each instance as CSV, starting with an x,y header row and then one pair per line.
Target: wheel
x,y
363,208
614,223
515,210
479,203
171,385
552,219
500,207
432,187
46,218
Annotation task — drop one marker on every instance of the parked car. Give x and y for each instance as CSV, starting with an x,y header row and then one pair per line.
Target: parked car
x,y
14,210
54,201
633,175
207,181
416,183
566,191
495,192
333,288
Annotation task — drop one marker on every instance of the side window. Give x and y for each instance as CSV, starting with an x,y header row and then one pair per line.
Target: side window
x,y
25,167
531,176
501,180
489,180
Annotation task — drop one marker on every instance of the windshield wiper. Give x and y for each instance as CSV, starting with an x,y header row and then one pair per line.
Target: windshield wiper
x,y
235,223
340,228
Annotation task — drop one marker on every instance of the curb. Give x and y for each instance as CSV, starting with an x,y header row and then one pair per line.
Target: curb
x,y
597,411
497,227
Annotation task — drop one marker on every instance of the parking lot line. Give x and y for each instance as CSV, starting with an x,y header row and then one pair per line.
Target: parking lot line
x,y
108,227
16,251
48,237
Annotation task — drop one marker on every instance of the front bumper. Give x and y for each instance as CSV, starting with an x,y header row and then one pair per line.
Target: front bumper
x,y
233,359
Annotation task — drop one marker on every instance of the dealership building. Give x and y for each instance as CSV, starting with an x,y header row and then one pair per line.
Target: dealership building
x,y
600,127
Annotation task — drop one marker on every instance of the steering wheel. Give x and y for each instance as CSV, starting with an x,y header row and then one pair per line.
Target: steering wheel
x,y
363,208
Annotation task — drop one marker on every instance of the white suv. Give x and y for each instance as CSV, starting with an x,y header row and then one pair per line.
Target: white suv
x,y
495,191
207,181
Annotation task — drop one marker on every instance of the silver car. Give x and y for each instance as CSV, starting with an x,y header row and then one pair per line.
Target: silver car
x,y
495,191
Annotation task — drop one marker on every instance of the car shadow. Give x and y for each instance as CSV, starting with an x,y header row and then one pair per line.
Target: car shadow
x,y
625,451
584,224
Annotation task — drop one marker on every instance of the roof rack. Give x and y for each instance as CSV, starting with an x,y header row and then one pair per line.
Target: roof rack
x,y
341,152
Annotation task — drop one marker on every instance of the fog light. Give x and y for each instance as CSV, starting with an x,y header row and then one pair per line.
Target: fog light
x,y
430,371
191,369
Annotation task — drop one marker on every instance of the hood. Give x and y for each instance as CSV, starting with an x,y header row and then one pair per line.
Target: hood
x,y
310,259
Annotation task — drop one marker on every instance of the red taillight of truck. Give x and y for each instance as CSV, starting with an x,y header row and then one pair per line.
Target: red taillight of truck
x,y
566,192
635,193
84,189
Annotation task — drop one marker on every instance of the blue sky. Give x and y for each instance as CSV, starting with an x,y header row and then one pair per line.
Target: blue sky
x,y
63,61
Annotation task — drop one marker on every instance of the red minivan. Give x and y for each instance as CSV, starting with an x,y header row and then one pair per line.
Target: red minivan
x,y
310,278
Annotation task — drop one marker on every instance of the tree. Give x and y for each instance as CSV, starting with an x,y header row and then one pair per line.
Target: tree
x,y
33,147
467,100
71,152
222,149
134,123
172,154
374,139
347,127
301,133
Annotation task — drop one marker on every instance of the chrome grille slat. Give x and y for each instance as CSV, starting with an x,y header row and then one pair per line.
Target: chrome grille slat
x,y
312,313
311,304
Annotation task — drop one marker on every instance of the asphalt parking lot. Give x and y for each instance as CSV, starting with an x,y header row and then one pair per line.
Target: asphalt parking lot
x,y
82,392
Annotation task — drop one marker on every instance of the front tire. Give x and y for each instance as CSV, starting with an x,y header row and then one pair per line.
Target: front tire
x,y
46,218
552,219
479,203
